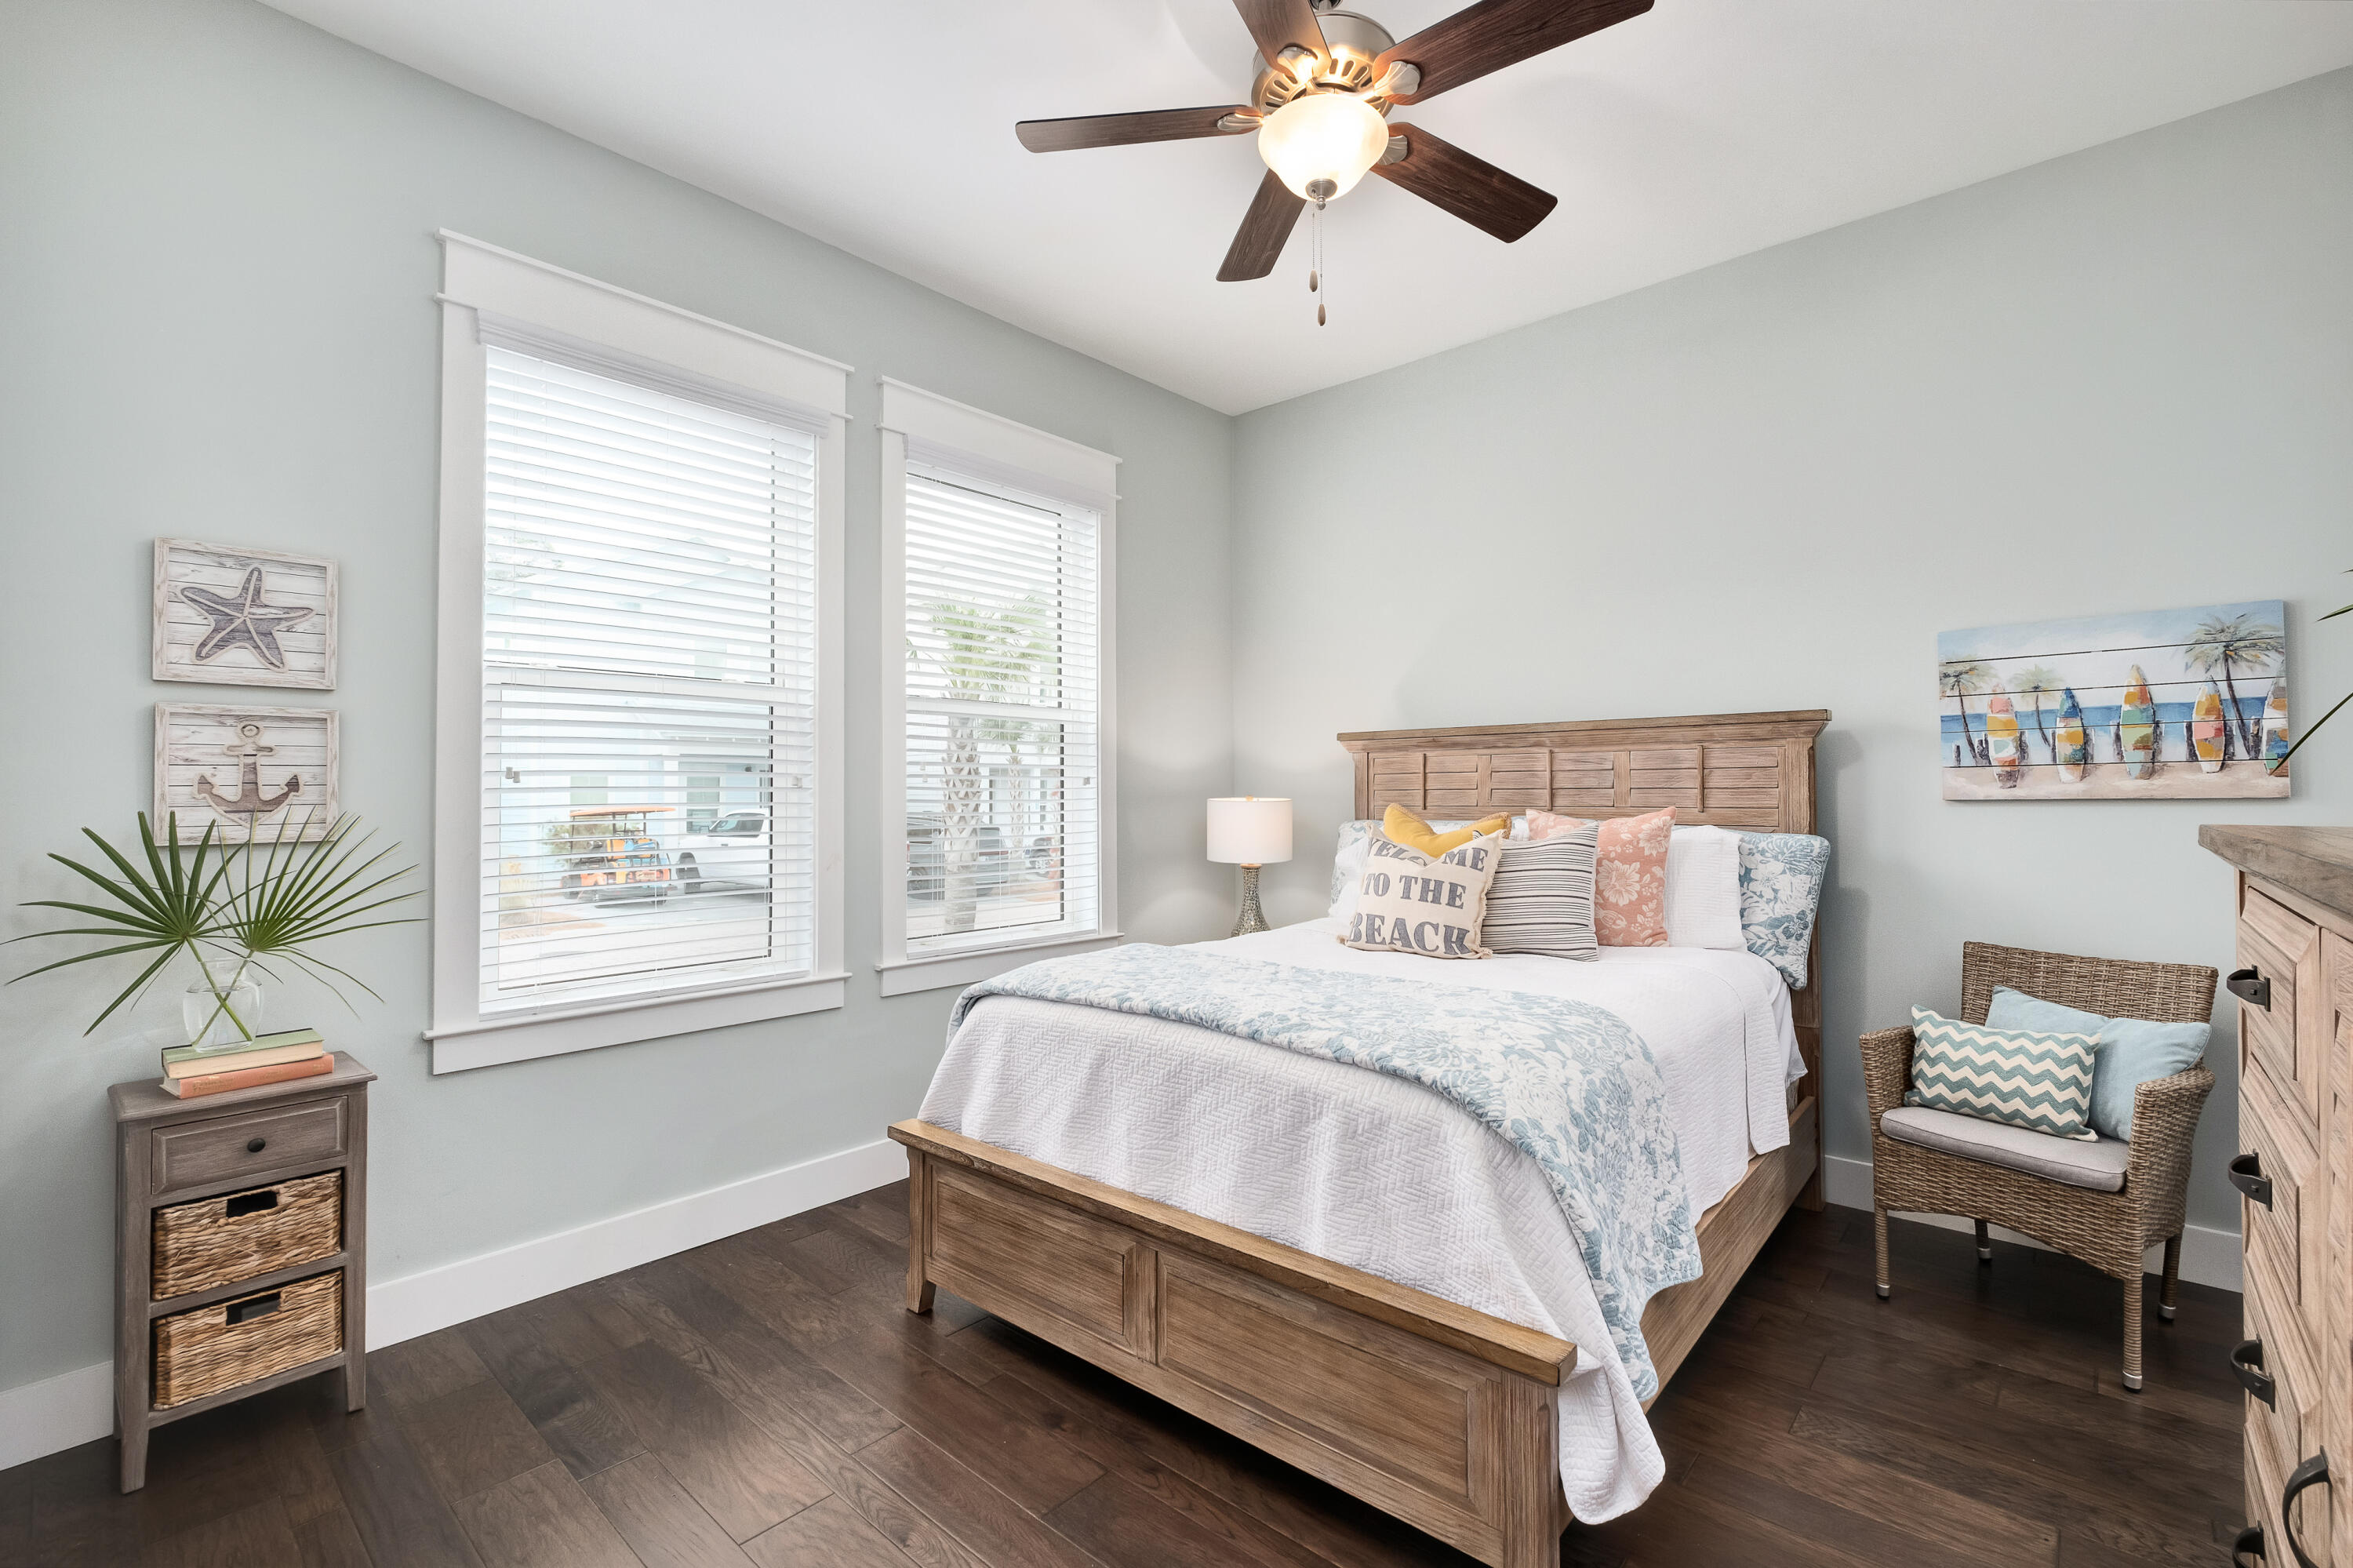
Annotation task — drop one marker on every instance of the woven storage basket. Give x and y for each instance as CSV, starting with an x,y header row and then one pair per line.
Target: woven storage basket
x,y
238,1235
201,1351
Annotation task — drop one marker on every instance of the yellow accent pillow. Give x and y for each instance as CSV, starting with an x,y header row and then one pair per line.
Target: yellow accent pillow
x,y
1400,826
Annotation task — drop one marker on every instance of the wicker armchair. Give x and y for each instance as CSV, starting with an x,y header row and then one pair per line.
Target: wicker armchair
x,y
2110,1230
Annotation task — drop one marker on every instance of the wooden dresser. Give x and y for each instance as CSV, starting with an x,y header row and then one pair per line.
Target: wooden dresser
x,y
2294,1173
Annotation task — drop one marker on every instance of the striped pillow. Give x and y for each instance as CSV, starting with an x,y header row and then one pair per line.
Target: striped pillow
x,y
1542,898
2039,1081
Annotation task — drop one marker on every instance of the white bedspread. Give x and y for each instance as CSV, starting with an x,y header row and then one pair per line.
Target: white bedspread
x,y
1382,1174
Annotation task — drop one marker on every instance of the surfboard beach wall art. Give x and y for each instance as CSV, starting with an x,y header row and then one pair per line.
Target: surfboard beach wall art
x,y
2164,704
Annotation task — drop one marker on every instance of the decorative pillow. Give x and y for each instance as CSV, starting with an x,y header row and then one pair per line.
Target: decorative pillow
x,y
1349,860
1703,889
1414,903
1542,897
2132,1050
1400,826
1781,877
2041,1082
1629,878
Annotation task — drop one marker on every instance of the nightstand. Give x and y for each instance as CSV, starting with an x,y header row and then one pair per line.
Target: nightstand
x,y
241,1246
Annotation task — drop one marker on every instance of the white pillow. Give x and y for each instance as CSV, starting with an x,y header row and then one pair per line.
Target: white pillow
x,y
1348,868
1704,888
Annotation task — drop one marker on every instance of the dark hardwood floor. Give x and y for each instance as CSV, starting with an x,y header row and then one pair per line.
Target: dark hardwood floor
x,y
765,1400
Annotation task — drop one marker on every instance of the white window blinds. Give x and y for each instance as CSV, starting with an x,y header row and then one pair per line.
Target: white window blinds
x,y
649,698
1004,714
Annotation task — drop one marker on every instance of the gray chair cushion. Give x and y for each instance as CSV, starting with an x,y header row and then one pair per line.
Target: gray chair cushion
x,y
2099,1166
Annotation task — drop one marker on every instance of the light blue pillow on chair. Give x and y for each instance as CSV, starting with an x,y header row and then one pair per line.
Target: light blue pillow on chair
x,y
2132,1050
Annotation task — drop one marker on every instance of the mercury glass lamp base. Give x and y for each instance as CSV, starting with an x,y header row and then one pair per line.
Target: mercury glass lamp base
x,y
1250,919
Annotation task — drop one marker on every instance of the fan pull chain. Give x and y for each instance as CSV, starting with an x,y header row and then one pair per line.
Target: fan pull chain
x,y
1315,279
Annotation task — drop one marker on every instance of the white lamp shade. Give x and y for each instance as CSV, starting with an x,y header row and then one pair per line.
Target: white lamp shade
x,y
1249,830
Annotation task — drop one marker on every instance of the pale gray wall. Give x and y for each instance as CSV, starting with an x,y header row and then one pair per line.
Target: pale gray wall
x,y
217,271
2116,381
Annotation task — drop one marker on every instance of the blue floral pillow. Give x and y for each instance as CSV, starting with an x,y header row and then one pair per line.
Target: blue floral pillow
x,y
1780,891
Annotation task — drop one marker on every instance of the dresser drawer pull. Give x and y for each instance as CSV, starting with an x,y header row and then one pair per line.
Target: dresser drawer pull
x,y
255,1145
2312,1472
2247,1365
2249,985
2248,1543
252,1307
2247,1176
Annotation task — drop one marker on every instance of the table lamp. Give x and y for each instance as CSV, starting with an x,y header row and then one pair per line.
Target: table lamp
x,y
1250,831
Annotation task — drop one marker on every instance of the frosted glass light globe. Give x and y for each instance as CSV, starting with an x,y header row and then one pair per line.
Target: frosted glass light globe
x,y
1322,136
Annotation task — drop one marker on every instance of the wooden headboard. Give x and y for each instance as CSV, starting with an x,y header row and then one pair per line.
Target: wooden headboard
x,y
1730,771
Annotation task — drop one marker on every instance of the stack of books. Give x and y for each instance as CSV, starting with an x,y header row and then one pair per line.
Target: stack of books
x,y
193,1070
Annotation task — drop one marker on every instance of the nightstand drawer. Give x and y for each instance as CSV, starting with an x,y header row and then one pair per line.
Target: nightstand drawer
x,y
243,1235
207,1349
194,1154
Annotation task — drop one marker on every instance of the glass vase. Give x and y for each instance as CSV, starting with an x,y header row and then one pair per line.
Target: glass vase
x,y
206,1021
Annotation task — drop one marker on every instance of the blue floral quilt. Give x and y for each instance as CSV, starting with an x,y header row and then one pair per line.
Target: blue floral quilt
x,y
1566,1082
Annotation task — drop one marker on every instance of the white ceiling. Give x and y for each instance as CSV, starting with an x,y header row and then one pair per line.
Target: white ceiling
x,y
1700,131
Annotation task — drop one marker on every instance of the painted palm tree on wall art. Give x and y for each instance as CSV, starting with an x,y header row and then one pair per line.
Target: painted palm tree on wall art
x,y
2162,705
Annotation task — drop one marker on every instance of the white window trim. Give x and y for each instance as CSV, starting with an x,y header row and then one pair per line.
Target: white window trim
x,y
482,280
933,429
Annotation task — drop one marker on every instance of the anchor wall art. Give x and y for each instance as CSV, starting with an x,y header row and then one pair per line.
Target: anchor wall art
x,y
244,771
243,617
2164,704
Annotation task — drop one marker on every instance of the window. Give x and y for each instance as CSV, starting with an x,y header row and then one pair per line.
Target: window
x,y
642,552
997,840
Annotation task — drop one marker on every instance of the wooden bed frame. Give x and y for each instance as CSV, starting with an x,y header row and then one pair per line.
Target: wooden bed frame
x,y
1436,1413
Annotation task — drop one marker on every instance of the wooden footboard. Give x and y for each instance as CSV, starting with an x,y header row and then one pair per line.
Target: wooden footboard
x,y
1436,1413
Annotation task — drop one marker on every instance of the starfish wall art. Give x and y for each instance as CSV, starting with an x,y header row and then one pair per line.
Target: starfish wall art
x,y
245,618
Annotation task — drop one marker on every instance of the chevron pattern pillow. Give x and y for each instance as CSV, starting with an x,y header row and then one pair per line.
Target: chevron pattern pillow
x,y
2039,1081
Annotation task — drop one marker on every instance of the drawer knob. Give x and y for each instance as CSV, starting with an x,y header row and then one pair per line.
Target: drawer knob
x,y
2249,986
2248,1543
255,1145
2247,1366
2247,1176
2313,1472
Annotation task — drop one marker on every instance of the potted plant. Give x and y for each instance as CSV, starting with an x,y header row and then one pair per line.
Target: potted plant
x,y
235,909
2324,718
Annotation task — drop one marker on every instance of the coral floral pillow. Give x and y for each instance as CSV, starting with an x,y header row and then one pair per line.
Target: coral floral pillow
x,y
1629,876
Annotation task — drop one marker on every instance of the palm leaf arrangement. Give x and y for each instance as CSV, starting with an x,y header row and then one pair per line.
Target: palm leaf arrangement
x,y
231,906
2347,697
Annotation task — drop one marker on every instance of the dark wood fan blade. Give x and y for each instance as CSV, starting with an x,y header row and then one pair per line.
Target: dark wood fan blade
x,y
1279,23
1472,188
1258,244
1121,130
1496,33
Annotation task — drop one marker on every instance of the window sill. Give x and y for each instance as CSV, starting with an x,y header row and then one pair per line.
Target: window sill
x,y
904,976
589,1028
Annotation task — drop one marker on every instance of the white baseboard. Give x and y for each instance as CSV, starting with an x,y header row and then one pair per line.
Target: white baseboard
x,y
55,1413
419,1303
76,1406
2209,1256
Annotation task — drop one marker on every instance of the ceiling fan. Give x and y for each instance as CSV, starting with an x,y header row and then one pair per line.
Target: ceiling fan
x,y
1320,110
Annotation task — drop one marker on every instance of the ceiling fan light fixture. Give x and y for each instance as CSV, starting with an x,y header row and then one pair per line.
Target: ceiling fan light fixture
x,y
1321,144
